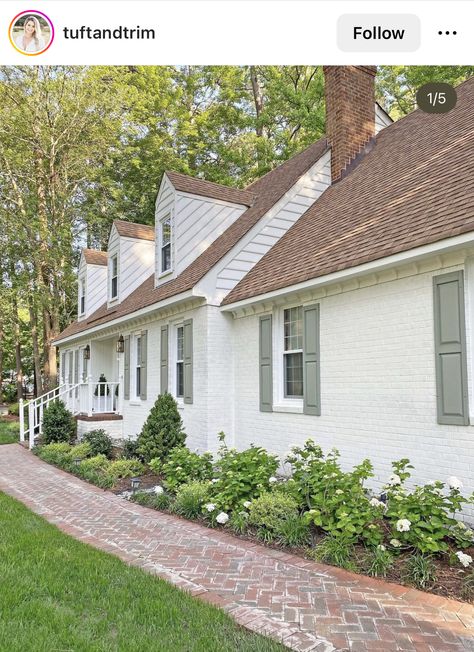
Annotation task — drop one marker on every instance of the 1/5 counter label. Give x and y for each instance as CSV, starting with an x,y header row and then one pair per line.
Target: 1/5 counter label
x,y
436,97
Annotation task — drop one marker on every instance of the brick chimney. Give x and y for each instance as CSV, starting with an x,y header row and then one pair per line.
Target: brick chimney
x,y
350,112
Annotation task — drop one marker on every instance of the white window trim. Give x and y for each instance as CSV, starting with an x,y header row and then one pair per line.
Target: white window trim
x,y
82,293
111,267
172,360
134,399
282,403
169,271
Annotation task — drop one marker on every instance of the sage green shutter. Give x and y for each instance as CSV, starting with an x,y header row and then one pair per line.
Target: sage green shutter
x,y
188,360
126,367
164,360
311,362
143,360
450,349
265,362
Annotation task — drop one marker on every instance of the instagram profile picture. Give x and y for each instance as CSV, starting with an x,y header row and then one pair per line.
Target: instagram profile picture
x,y
31,32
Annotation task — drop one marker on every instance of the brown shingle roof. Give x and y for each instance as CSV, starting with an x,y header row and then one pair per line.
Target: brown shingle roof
x,y
267,190
94,257
415,187
204,188
133,230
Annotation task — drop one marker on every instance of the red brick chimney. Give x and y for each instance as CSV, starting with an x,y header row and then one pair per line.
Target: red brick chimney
x,y
350,112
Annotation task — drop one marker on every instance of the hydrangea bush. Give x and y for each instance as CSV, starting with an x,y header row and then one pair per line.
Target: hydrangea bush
x,y
181,466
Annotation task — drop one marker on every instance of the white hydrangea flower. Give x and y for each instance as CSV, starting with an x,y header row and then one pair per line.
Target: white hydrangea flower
x,y
465,560
461,525
377,503
210,507
272,479
247,504
214,480
222,518
395,543
339,492
381,547
403,525
158,490
454,483
394,479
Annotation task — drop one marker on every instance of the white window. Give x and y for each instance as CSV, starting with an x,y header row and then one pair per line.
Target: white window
x,y
82,296
179,361
293,352
114,277
165,243
138,365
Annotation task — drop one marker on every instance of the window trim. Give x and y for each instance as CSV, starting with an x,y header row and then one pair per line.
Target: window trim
x,y
281,402
179,361
173,326
169,270
135,366
82,297
114,297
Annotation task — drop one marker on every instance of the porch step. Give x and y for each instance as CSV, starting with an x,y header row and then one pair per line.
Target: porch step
x,y
101,416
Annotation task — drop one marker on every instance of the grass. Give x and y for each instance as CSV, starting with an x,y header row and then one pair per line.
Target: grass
x,y
60,594
9,431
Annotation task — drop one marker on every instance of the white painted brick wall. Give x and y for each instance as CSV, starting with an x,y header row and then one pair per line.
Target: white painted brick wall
x,y
378,391
112,428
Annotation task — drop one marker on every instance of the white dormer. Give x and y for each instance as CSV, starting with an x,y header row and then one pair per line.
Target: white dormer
x,y
131,255
92,282
190,215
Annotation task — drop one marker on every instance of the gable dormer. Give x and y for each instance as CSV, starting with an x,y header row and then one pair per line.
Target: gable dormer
x,y
190,215
131,255
92,282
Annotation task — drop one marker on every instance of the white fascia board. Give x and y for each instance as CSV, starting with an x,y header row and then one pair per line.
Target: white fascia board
x,y
221,202
155,307
412,255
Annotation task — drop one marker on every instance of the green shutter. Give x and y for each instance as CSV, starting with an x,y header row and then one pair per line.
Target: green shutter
x,y
188,360
164,360
76,366
126,367
450,349
143,372
311,362
265,362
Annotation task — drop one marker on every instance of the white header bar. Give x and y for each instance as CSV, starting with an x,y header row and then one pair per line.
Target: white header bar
x,y
237,32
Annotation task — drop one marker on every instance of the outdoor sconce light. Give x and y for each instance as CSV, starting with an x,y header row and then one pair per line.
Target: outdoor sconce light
x,y
120,344
87,353
135,483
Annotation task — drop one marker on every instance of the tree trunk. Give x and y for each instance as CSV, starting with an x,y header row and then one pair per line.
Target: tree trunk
x,y
257,98
51,331
16,339
1,361
36,351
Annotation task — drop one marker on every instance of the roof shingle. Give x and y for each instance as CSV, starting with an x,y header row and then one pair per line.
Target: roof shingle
x,y
134,230
209,189
94,257
415,187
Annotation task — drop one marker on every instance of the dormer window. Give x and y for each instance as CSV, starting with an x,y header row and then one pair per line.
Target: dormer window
x,y
82,296
114,278
165,237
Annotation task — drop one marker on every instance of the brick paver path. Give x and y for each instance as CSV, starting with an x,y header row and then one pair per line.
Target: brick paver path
x,y
308,606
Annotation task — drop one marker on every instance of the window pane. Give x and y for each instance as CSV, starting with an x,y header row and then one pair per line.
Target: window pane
x,y
138,382
293,374
114,287
293,328
165,232
180,337
179,379
166,258
114,266
139,350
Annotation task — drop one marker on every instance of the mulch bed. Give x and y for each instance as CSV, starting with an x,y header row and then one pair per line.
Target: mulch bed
x,y
146,482
9,418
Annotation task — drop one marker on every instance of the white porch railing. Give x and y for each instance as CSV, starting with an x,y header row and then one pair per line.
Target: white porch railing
x,y
86,398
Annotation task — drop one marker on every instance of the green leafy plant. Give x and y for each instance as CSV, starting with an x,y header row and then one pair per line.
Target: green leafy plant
x,y
337,551
99,441
124,469
183,466
81,451
96,463
238,521
425,517
155,501
163,430
242,475
190,499
56,453
130,448
338,502
270,509
378,562
420,571
468,587
293,530
58,424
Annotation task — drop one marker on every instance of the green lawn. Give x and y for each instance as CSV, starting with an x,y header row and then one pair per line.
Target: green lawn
x,y
57,594
9,431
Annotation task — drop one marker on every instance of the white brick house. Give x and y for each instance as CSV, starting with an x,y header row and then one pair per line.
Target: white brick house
x,y
332,299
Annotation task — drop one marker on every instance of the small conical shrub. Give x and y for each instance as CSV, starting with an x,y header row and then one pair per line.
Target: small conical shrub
x,y
58,423
163,430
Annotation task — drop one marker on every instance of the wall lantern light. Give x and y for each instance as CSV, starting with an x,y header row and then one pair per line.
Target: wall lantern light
x,y
120,344
87,353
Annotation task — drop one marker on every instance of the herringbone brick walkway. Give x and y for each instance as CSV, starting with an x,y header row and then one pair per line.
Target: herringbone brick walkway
x,y
306,605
